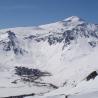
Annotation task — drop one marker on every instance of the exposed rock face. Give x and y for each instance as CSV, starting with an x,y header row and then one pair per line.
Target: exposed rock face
x,y
92,75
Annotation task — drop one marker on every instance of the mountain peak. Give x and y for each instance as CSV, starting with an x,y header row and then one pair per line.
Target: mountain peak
x,y
73,19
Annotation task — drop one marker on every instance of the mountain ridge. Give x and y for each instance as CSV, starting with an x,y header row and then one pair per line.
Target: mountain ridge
x,y
66,50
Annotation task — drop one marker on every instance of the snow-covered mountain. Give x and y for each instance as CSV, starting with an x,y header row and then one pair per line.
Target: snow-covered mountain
x,y
45,59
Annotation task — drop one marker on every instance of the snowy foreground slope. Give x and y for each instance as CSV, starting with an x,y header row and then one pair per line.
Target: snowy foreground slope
x,y
82,90
55,59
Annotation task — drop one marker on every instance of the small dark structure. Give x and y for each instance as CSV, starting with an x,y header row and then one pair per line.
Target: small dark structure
x,y
92,75
66,96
